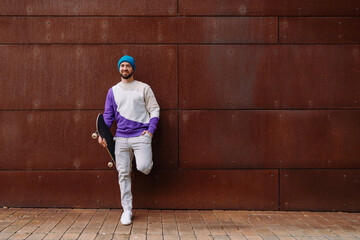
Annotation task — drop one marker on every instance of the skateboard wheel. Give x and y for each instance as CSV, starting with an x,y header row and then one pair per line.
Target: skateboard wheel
x,y
94,135
110,164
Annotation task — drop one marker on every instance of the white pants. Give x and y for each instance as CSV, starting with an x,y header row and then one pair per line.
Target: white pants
x,y
125,149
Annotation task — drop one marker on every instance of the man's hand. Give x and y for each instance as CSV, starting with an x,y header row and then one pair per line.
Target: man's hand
x,y
147,132
102,141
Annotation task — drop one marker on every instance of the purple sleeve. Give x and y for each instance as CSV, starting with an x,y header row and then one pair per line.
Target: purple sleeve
x,y
109,112
152,125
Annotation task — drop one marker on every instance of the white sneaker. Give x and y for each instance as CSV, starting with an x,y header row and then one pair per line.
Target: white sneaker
x,y
126,217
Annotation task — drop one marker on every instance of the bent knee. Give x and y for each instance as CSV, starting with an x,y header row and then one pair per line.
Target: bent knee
x,y
145,168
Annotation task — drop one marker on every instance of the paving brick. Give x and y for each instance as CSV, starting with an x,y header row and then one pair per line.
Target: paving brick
x,y
232,229
203,237
270,238
137,237
19,236
74,230
104,236
296,232
221,237
53,236
342,233
265,233
154,215
356,233
137,224
70,236
141,214
139,230
194,214
87,236
170,229
312,233
341,238
154,229
327,233
121,236
5,235
185,228
201,229
123,230
182,216
238,238
187,236
248,231
37,236
171,237
154,237
216,229
254,238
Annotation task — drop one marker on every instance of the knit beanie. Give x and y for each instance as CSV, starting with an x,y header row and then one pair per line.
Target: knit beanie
x,y
128,59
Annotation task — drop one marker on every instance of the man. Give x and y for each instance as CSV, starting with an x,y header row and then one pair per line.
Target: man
x,y
134,107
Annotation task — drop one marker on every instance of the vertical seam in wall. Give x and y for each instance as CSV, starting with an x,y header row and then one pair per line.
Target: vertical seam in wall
x,y
178,106
278,29
178,97
279,189
177,7
279,182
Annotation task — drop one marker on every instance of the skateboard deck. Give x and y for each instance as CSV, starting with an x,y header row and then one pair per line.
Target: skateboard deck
x,y
103,130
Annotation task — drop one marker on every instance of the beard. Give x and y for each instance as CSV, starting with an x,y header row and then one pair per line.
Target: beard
x,y
128,76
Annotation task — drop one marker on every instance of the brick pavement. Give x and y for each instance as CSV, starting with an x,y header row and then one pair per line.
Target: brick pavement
x,y
103,224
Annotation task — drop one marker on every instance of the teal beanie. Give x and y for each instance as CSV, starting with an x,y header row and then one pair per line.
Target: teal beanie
x,y
128,59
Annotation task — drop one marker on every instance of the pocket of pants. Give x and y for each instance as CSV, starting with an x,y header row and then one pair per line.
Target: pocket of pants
x,y
147,135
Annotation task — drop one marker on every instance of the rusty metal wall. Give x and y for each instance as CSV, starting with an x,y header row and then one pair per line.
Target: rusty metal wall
x,y
260,102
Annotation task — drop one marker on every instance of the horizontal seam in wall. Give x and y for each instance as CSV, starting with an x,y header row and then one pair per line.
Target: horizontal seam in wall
x,y
186,170
184,16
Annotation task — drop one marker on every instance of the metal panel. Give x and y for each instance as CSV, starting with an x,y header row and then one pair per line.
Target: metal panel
x,y
320,139
269,139
229,139
269,7
207,189
226,30
269,76
148,30
186,7
88,7
78,189
319,30
79,76
161,189
62,140
321,190
166,141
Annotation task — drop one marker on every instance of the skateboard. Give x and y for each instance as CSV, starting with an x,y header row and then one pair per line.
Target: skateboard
x,y
103,130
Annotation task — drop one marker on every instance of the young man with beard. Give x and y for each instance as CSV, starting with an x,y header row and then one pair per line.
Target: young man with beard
x,y
134,107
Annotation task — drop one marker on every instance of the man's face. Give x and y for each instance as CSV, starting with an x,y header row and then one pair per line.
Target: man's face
x,y
126,70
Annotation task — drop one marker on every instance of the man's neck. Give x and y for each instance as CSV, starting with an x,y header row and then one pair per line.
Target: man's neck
x,y
129,80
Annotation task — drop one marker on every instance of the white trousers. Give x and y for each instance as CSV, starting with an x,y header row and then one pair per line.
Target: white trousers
x,y
125,150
